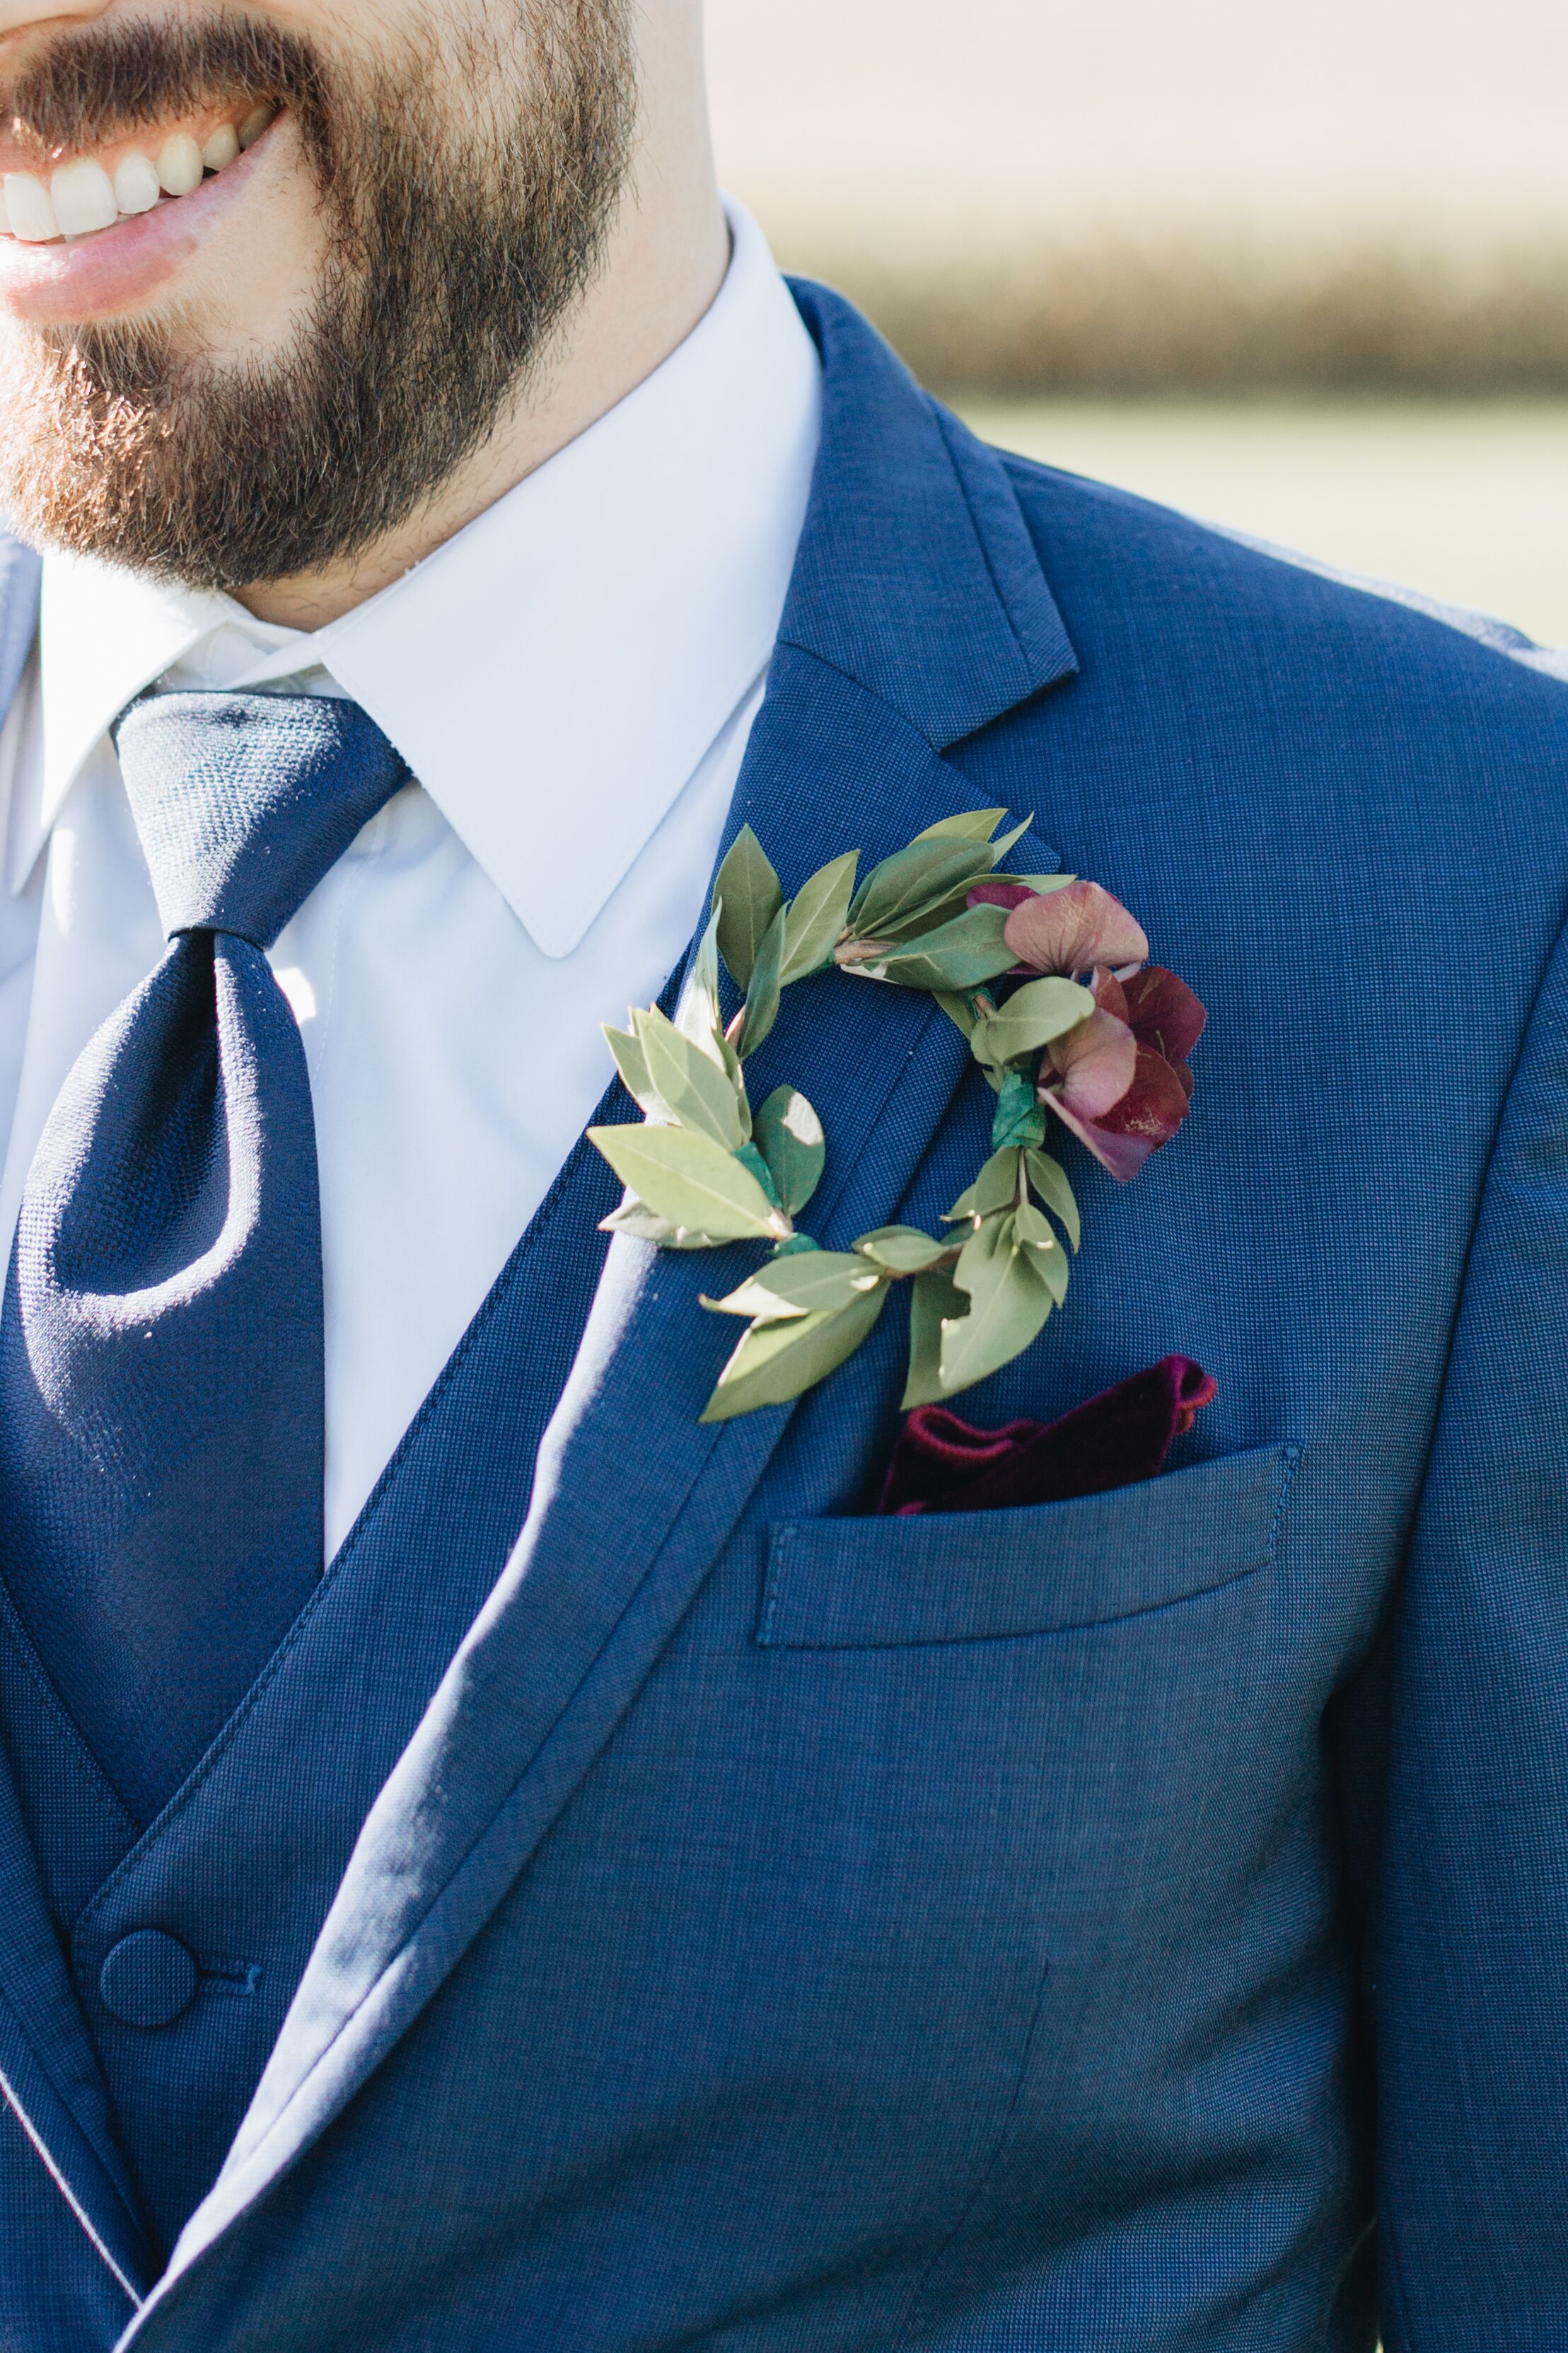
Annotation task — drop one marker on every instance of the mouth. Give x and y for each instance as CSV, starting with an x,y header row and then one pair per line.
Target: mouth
x,y
83,196
92,235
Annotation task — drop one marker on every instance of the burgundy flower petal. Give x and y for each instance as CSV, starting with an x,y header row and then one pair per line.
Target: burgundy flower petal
x,y
1111,995
1147,1115
1164,1013
1095,1063
1069,931
1000,894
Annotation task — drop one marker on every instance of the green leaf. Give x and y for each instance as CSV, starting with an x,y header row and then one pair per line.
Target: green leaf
x,y
775,1362
689,1180
698,1015
1038,1237
750,1158
904,1249
762,1006
898,894
1041,884
995,1188
969,825
632,1064
1033,1016
794,1246
747,895
959,1007
692,1087
1049,1180
999,849
818,916
935,1302
819,1283
959,954
1019,1119
633,1216
1009,1302
789,1137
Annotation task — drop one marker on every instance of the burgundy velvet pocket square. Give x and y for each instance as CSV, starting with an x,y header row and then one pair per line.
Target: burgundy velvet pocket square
x,y
942,1465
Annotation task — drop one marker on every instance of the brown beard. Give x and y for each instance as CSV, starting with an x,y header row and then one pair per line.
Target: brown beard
x,y
447,274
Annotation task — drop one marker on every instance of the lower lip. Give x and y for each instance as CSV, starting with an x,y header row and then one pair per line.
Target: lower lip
x,y
75,279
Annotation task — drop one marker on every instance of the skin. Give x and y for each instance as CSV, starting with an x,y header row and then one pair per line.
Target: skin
x,y
234,264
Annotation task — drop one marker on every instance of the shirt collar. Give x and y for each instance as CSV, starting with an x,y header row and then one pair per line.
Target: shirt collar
x,y
555,672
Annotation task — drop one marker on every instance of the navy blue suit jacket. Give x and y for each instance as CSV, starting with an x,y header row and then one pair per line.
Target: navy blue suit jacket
x,y
1134,1923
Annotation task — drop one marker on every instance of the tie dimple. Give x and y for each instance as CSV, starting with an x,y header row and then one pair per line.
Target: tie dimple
x,y
161,1376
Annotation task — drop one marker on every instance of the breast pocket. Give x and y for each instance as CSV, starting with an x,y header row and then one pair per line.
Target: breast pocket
x,y
958,1577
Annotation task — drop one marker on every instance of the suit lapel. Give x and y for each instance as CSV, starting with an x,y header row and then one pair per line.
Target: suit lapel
x,y
49,2077
918,614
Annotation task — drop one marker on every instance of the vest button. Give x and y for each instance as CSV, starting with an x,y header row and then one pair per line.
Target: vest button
x,y
148,1978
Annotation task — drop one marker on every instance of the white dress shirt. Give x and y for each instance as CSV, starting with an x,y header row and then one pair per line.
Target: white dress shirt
x,y
572,678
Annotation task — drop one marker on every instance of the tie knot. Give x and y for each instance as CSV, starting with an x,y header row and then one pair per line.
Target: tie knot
x,y
243,802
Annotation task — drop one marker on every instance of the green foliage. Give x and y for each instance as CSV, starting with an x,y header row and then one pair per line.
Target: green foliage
x,y
818,916
762,1006
903,1249
688,1180
698,1016
703,1172
904,888
969,825
776,1362
995,1188
747,896
935,1301
694,1090
633,1216
1032,1019
1009,1301
1049,1180
789,1138
959,954
1019,1119
819,1283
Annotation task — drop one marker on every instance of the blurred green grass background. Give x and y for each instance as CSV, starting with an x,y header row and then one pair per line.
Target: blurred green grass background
x,y
1302,273
1467,499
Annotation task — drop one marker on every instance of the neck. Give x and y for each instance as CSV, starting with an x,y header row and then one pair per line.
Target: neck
x,y
663,262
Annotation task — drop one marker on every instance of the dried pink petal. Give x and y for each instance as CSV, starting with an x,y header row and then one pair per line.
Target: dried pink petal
x,y
1069,932
1094,1065
1147,1115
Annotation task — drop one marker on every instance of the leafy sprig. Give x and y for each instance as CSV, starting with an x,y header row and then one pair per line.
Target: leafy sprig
x,y
705,1170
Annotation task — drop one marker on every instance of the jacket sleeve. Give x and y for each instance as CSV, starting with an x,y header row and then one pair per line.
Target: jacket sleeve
x,y
1470,1949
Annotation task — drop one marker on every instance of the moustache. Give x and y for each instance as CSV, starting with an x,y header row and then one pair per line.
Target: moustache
x,y
109,82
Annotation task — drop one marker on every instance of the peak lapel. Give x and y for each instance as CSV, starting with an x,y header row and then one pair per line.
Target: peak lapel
x,y
898,638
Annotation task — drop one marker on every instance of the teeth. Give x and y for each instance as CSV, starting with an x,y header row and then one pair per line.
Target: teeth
x,y
28,206
179,164
136,186
83,196
221,148
80,198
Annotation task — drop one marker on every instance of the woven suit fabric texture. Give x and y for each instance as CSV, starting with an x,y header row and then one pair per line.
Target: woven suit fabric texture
x,y
160,1363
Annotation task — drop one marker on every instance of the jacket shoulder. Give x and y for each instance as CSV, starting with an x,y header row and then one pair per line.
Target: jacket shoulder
x,y
1134,544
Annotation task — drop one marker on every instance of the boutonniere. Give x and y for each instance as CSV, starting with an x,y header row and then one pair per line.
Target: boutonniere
x,y
1048,978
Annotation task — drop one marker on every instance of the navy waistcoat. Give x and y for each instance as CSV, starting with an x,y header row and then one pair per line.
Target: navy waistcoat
x,y
186,1944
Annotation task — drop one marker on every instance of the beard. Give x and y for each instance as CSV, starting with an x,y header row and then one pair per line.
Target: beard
x,y
450,264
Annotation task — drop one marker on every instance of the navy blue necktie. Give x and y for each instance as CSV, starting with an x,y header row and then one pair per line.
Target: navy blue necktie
x,y
161,1372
